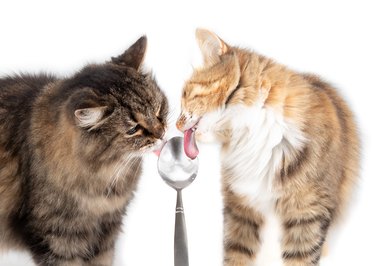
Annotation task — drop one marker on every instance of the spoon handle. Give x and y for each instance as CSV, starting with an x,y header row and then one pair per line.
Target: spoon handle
x,y
180,239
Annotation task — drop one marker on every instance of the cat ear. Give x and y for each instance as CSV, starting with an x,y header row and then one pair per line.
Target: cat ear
x,y
211,45
89,117
133,56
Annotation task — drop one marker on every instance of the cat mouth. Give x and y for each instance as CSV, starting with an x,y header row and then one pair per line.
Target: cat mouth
x,y
196,125
158,146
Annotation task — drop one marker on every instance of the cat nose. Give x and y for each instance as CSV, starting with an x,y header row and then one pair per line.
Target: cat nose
x,y
158,131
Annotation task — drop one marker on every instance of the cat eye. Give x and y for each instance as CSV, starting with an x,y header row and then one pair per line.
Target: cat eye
x,y
133,130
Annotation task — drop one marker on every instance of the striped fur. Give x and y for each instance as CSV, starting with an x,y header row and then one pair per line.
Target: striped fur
x,y
290,152
70,157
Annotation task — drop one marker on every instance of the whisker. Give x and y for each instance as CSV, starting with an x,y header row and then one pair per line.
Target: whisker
x,y
114,178
172,112
126,168
138,166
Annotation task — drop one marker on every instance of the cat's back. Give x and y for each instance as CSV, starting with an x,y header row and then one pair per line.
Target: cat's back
x,y
336,110
335,129
17,96
18,89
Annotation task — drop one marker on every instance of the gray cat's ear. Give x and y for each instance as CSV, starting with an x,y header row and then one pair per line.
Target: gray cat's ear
x,y
133,57
89,117
211,45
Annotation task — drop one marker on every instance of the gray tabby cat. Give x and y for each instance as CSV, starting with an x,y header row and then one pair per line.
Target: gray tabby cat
x,y
70,157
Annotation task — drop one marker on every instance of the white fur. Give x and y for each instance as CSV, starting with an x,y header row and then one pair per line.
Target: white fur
x,y
260,138
191,120
208,125
89,117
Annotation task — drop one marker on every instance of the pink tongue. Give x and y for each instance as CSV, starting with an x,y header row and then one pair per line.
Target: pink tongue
x,y
190,146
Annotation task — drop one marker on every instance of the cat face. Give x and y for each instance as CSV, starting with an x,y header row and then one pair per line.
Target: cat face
x,y
116,106
210,90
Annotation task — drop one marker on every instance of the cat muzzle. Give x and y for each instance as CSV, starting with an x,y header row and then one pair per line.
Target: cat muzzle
x,y
186,122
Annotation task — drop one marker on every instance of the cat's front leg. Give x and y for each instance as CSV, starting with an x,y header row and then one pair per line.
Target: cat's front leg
x,y
241,239
303,239
241,232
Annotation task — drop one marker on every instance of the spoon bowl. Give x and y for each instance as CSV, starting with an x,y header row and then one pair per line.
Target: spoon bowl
x,y
175,168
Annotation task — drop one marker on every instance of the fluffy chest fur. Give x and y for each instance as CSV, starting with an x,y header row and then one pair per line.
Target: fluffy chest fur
x,y
260,138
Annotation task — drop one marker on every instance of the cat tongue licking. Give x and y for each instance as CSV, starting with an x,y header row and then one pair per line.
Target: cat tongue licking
x,y
190,146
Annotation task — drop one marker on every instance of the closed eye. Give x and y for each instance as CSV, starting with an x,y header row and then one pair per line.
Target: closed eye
x,y
133,130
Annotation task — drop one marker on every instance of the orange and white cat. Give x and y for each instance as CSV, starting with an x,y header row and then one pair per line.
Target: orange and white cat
x,y
290,152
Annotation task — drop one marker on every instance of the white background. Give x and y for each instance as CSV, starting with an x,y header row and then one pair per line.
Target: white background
x,y
331,38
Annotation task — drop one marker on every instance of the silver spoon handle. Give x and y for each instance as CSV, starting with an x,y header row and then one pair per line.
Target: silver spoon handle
x,y
181,257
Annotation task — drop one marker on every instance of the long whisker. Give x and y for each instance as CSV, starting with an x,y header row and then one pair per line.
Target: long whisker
x,y
171,116
171,113
124,169
114,178
130,167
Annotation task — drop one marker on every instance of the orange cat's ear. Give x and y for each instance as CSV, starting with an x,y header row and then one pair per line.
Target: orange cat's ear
x,y
133,57
211,45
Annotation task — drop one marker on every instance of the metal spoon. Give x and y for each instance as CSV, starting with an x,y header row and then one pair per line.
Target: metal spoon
x,y
178,171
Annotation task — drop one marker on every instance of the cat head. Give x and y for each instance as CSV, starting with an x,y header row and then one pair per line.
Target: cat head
x,y
115,107
212,87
